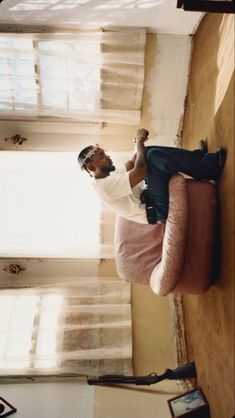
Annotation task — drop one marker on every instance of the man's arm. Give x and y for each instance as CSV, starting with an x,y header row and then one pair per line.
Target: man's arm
x,y
131,163
139,171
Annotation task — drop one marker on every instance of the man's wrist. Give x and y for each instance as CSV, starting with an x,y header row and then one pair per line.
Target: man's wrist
x,y
140,138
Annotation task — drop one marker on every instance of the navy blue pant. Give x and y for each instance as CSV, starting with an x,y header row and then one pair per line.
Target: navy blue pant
x,y
164,162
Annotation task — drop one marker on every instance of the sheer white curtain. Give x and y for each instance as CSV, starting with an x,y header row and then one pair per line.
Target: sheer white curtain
x,y
71,325
48,208
96,76
81,327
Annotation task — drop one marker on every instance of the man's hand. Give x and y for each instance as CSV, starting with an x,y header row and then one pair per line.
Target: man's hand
x,y
141,134
139,171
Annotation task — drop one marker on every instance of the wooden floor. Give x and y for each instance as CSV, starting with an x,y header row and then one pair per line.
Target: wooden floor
x,y
209,318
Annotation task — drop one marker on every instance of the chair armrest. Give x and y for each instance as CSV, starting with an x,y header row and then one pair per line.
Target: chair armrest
x,y
165,275
138,248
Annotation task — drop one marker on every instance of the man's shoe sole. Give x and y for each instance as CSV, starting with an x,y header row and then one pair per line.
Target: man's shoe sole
x,y
222,155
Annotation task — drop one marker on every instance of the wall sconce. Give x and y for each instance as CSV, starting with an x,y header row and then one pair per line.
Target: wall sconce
x,y
13,269
16,139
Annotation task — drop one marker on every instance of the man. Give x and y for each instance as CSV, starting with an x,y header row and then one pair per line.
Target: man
x,y
123,192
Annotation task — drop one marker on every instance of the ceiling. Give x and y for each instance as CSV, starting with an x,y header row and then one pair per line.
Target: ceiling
x,y
158,16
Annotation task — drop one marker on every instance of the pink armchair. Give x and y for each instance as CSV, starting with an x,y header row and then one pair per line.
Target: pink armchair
x,y
176,257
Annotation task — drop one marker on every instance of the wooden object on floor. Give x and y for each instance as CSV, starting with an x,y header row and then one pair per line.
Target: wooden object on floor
x,y
211,6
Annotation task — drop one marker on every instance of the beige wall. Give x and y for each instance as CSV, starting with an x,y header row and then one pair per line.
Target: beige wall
x,y
151,326
166,76
151,321
151,316
134,401
152,341
50,400
167,59
152,352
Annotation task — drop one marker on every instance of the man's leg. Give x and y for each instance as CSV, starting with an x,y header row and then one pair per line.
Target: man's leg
x,y
197,164
157,183
163,162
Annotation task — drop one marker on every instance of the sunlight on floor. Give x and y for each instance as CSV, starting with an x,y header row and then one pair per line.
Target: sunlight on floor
x,y
72,4
225,58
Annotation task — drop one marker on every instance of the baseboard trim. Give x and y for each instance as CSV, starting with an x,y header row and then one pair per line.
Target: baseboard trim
x,y
178,338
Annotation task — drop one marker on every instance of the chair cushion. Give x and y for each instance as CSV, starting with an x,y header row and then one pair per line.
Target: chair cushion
x,y
203,223
166,274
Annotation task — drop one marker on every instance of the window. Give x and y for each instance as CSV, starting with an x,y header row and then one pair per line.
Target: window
x,y
48,75
28,331
81,326
82,76
48,207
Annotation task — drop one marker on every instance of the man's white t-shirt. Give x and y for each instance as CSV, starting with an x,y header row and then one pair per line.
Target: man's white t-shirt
x,y
116,192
